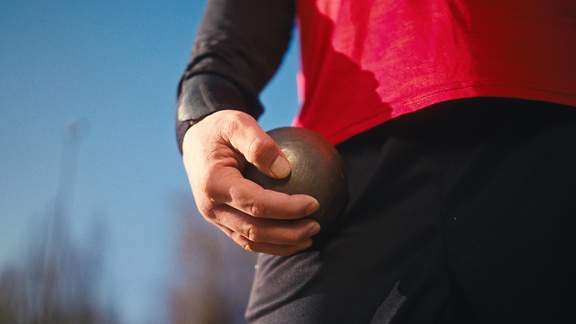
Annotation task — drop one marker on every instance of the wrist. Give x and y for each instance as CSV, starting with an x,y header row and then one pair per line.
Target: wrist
x,y
204,94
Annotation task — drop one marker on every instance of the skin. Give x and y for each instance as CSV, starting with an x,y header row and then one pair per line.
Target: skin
x,y
215,150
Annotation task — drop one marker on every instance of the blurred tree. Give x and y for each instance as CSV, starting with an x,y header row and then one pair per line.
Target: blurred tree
x,y
59,280
58,283
213,275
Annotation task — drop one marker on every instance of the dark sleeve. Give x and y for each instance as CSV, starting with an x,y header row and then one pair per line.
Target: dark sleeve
x,y
238,48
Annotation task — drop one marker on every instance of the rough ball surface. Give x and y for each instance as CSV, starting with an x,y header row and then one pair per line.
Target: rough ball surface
x,y
316,170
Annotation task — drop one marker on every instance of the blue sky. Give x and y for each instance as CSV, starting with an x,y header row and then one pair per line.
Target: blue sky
x,y
114,65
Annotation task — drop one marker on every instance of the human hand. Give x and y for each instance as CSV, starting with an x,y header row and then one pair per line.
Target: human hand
x,y
215,150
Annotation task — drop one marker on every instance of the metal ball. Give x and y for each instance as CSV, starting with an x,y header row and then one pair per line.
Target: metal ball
x,y
316,170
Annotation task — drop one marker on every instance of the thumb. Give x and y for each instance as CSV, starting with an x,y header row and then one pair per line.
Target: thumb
x,y
259,148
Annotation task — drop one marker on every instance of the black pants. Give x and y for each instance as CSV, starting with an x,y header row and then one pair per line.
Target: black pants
x,y
463,212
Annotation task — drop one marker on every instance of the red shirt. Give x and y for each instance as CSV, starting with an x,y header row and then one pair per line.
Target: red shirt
x,y
367,61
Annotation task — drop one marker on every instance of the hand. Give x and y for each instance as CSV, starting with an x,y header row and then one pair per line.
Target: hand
x,y
215,150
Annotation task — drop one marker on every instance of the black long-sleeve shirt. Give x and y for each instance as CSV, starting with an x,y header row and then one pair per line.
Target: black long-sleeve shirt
x,y
238,48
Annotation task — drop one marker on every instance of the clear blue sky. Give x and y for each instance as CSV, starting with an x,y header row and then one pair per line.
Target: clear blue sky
x,y
114,64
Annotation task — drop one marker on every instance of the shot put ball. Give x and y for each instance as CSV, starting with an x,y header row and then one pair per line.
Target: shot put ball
x,y
316,170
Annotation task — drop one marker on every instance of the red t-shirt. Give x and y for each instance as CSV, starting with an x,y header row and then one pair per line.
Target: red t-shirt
x,y
367,61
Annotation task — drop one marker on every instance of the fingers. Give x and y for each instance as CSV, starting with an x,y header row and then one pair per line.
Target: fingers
x,y
266,230
237,192
268,248
259,220
245,135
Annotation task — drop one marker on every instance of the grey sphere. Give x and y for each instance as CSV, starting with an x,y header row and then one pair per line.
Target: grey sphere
x,y
316,170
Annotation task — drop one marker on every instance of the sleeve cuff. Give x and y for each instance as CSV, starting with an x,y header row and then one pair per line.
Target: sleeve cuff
x,y
204,94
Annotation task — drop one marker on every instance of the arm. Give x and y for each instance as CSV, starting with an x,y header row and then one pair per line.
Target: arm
x,y
238,49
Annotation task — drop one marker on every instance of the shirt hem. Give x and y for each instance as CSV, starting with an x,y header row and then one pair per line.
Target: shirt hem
x,y
408,105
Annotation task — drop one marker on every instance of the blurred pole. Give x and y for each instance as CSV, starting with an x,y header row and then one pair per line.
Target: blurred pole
x,y
75,132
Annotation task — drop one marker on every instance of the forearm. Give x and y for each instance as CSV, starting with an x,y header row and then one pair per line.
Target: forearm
x,y
238,48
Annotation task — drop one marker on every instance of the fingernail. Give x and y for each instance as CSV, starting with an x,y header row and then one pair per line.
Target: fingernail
x,y
312,207
280,167
314,229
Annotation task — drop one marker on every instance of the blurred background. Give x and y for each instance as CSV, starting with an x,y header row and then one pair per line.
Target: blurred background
x,y
97,222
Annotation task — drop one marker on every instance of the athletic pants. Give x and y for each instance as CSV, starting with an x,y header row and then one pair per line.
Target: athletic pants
x,y
461,212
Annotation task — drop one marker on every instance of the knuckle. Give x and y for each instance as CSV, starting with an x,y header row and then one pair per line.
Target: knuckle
x,y
209,190
252,232
232,122
209,184
241,117
255,209
241,241
248,246
228,126
206,210
232,114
